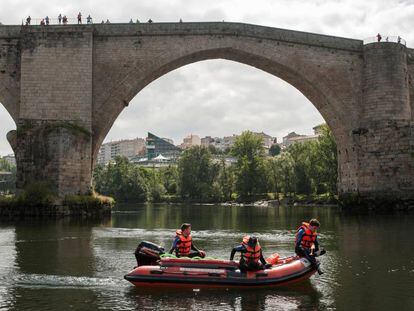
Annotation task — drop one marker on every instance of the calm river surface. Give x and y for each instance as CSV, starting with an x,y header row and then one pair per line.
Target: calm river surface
x,y
79,265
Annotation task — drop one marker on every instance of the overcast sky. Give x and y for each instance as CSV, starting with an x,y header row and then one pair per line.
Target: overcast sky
x,y
219,97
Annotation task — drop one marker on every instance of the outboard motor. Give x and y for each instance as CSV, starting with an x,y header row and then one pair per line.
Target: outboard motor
x,y
147,253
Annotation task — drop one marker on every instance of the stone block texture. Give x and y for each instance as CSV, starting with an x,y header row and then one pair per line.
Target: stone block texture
x,y
87,74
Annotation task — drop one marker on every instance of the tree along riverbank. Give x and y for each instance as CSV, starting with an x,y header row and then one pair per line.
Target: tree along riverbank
x,y
303,172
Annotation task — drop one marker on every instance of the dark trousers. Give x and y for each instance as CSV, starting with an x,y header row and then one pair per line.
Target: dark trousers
x,y
192,254
251,266
305,252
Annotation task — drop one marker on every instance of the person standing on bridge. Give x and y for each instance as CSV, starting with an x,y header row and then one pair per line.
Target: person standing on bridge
x,y
89,19
379,37
47,20
306,244
79,18
183,243
28,20
60,18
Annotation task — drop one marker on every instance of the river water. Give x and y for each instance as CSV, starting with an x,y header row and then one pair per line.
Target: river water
x,y
79,265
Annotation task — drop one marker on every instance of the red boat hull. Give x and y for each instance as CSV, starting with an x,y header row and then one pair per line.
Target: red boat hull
x,y
218,273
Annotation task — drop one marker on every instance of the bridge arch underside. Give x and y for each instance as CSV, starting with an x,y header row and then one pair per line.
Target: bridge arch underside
x,y
329,78
11,135
9,101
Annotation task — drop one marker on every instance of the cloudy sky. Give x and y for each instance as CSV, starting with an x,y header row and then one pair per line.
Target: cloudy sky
x,y
219,97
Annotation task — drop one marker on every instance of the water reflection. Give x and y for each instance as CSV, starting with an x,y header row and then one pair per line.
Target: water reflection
x,y
376,258
281,298
7,265
79,265
53,260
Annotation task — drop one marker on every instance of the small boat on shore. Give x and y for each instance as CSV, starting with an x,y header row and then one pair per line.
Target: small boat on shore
x,y
174,272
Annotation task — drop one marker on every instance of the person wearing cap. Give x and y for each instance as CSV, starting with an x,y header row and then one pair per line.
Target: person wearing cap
x,y
251,256
183,243
307,244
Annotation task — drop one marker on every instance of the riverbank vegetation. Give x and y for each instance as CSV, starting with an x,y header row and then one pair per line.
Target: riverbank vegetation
x,y
302,171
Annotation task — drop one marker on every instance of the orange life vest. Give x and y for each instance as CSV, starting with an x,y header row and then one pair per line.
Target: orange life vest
x,y
184,247
308,238
252,254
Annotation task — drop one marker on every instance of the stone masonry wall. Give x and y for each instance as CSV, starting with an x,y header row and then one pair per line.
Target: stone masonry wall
x,y
54,129
384,140
56,153
56,76
10,69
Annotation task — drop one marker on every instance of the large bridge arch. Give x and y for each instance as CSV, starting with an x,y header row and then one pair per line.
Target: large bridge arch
x,y
328,77
322,97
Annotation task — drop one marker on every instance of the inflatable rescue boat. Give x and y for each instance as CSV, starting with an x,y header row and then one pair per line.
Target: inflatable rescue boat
x,y
155,270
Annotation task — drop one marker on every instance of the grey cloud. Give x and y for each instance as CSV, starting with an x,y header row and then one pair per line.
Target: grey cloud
x,y
255,101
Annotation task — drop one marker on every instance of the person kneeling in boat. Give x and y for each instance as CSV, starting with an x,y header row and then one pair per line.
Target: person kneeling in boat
x,y
251,256
306,244
183,244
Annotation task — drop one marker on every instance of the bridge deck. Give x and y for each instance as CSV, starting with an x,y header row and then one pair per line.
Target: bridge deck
x,y
191,29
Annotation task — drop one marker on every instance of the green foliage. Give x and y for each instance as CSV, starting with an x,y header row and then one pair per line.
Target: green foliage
x,y
5,166
225,182
327,158
155,187
274,150
250,168
305,169
214,150
38,193
302,154
88,201
7,184
169,178
196,174
281,177
123,181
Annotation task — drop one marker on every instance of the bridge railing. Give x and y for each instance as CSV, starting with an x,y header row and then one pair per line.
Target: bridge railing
x,y
396,39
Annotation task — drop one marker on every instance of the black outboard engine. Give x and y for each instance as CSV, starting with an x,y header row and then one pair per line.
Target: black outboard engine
x,y
147,253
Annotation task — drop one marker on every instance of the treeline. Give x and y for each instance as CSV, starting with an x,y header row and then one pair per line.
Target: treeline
x,y
302,169
7,181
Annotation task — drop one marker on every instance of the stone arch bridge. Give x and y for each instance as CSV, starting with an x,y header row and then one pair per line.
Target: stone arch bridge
x,y
64,86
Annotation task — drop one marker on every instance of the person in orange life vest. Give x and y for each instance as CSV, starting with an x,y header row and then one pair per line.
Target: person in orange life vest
x,y
307,244
251,256
183,243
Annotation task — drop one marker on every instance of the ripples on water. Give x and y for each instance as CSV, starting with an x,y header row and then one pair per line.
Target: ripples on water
x,y
80,266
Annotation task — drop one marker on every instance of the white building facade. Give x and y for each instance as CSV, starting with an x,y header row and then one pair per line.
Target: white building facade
x,y
127,148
